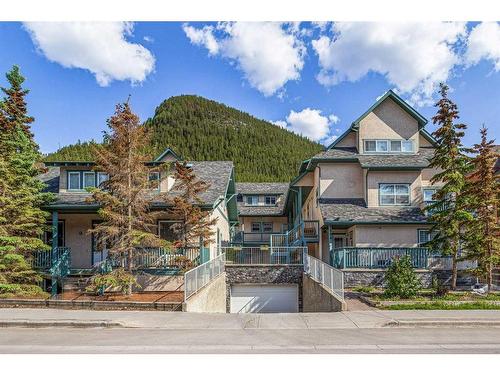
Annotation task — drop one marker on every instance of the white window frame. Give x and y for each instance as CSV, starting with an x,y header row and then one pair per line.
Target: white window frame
x,y
388,143
255,223
429,236
269,225
98,178
394,194
83,182
69,180
254,198
271,197
428,189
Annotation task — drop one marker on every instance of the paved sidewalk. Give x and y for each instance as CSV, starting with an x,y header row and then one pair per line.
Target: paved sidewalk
x,y
187,321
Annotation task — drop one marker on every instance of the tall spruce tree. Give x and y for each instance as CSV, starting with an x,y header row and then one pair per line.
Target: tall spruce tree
x,y
194,223
22,221
124,199
483,232
449,214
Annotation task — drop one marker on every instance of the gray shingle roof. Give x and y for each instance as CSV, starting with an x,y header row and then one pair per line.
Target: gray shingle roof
x,y
263,188
355,211
418,160
216,173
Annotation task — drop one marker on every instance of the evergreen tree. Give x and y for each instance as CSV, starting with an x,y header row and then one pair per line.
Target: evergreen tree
x,y
22,220
449,214
194,224
483,233
124,199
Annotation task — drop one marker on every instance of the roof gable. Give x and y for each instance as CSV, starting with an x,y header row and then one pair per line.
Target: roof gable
x,y
168,152
421,120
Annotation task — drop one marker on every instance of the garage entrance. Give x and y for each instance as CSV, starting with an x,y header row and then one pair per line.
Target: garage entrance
x,y
283,298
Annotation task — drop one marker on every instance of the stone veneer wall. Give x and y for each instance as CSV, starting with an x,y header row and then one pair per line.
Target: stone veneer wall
x,y
272,274
367,277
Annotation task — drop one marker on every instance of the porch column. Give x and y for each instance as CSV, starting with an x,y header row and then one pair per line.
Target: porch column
x,y
330,254
53,258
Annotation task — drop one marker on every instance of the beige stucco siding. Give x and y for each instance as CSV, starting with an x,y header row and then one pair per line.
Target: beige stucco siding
x,y
278,221
222,224
77,237
339,180
387,235
350,140
388,121
407,177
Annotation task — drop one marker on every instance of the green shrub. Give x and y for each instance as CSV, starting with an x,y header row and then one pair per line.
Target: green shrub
x,y
19,290
119,279
401,280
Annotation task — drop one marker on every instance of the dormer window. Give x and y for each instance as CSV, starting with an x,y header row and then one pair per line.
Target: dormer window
x,y
252,200
270,200
73,180
389,146
88,180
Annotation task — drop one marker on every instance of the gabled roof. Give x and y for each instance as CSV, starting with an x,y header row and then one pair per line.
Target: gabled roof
x,y
165,153
421,120
218,174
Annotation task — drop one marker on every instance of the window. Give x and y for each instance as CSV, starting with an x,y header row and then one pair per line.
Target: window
x,y
267,227
386,145
370,146
382,146
154,180
394,194
88,179
428,193
73,180
239,198
252,200
255,227
166,230
407,146
424,236
101,177
270,200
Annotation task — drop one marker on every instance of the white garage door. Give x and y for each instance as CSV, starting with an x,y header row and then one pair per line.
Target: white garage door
x,y
264,298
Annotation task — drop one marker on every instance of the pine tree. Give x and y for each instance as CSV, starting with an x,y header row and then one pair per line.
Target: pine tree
x,y
483,233
124,199
194,224
22,220
449,214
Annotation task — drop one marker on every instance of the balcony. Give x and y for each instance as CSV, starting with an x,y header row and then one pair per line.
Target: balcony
x,y
377,257
264,256
253,237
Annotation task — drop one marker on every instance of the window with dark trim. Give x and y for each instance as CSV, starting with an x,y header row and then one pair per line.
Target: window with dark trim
x,y
255,227
154,180
267,227
270,200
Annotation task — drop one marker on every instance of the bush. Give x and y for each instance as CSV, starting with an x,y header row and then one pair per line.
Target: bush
x,y
19,290
401,280
119,279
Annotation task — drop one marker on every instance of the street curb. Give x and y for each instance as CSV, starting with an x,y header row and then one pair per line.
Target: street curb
x,y
60,323
443,323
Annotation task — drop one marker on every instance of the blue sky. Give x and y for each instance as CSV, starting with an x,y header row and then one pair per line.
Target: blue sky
x,y
311,78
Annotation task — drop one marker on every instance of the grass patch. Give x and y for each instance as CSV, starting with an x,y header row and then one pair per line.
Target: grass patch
x,y
441,305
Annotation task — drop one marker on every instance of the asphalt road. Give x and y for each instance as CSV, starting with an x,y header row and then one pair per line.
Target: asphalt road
x,y
147,340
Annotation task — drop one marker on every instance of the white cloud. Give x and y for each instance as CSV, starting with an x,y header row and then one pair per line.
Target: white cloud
x,y
268,53
99,47
280,123
484,43
328,141
414,57
310,123
334,119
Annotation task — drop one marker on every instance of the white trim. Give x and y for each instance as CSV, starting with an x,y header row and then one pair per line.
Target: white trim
x,y
69,179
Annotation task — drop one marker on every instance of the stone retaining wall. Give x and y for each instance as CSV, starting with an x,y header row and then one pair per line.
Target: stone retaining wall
x,y
91,305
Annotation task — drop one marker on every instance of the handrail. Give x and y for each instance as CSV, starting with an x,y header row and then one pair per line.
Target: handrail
x,y
328,276
377,257
198,277
283,255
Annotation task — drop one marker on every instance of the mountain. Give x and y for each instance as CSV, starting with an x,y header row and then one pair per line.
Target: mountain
x,y
200,129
